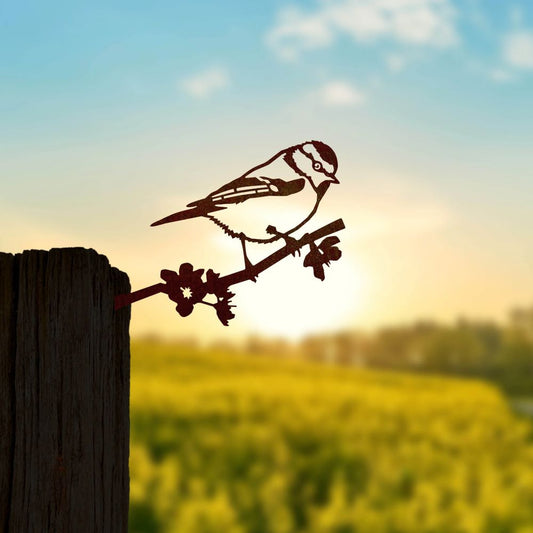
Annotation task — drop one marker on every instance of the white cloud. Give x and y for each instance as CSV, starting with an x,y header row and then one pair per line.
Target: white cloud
x,y
500,75
497,73
518,49
339,94
297,31
418,22
396,62
205,83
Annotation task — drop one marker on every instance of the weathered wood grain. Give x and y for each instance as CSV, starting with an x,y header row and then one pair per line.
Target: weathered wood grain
x,y
65,366
8,277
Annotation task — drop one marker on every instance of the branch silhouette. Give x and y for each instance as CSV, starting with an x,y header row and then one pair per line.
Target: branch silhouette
x,y
184,288
282,253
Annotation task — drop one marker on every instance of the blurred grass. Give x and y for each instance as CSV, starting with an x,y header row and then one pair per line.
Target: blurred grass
x,y
229,443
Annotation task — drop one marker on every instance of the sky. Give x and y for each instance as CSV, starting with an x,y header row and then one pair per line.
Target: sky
x,y
114,115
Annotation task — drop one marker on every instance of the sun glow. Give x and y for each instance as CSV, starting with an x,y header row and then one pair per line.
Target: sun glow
x,y
291,303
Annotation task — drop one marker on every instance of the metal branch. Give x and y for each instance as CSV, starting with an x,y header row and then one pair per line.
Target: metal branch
x,y
247,274
123,300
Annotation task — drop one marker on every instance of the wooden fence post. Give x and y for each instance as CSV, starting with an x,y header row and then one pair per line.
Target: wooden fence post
x,y
64,393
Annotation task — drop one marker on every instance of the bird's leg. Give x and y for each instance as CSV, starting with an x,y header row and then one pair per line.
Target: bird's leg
x,y
247,263
290,242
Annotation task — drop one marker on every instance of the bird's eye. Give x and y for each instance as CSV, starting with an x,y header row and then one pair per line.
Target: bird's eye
x,y
317,165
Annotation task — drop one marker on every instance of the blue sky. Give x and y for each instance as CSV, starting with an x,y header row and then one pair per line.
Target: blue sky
x,y
110,112
92,62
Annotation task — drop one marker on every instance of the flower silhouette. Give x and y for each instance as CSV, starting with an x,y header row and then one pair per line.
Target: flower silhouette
x,y
224,312
187,288
321,255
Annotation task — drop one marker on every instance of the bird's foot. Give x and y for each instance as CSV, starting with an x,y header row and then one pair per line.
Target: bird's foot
x,y
250,270
290,242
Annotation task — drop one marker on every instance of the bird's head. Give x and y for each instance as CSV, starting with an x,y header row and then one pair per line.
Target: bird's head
x,y
316,161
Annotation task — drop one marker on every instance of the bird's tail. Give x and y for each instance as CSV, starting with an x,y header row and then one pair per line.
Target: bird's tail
x,y
197,211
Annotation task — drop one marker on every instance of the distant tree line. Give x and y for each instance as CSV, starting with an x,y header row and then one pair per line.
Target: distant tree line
x,y
502,353
499,352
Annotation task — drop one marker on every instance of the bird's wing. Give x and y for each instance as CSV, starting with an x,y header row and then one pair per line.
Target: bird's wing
x,y
246,188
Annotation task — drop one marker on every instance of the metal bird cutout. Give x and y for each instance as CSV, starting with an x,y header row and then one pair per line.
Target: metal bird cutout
x,y
299,174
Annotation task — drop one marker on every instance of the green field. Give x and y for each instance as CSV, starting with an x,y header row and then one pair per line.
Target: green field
x,y
235,444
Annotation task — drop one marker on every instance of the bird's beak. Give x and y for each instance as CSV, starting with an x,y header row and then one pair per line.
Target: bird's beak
x,y
333,179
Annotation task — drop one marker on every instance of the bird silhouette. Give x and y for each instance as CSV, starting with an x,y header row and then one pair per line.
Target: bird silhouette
x,y
299,174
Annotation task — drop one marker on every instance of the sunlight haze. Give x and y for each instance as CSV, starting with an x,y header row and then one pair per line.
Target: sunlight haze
x,y
113,117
